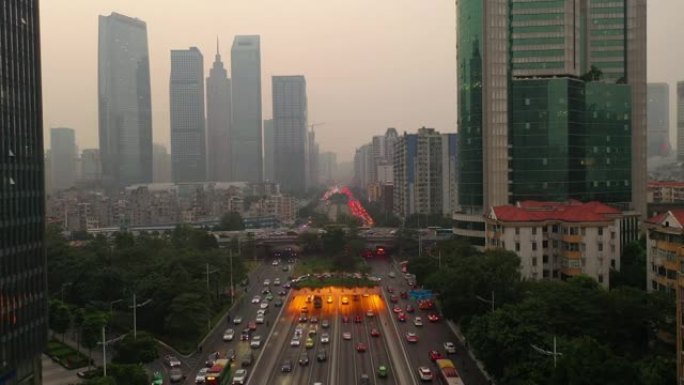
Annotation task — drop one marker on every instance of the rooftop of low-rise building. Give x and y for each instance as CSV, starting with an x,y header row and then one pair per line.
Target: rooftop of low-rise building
x,y
539,211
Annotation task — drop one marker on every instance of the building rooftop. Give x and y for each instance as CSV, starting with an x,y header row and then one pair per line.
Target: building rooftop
x,y
571,211
676,214
665,184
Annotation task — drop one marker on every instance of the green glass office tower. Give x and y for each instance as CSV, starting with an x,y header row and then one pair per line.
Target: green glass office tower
x,y
569,91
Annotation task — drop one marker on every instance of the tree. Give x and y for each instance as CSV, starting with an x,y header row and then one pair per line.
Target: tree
x,y
586,361
130,374
311,242
186,316
594,74
60,317
93,323
136,350
231,221
333,241
632,267
656,370
101,381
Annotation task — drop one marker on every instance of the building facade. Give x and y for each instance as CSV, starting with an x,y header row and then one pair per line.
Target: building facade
x,y
219,117
269,150
91,166
314,151
63,155
680,121
23,265
245,130
327,167
291,150
125,107
188,136
162,164
559,240
658,113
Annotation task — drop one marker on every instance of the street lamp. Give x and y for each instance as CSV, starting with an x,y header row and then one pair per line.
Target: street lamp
x,y
553,353
208,317
135,314
111,305
491,301
104,344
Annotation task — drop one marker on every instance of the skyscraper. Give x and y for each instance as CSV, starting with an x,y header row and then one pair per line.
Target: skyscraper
x,y
91,165
551,102
680,121
23,277
269,150
289,122
245,131
188,140
125,109
63,157
219,116
313,159
162,163
658,119
327,164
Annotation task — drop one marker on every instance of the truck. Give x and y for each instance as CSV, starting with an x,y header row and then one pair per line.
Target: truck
x,y
447,373
219,373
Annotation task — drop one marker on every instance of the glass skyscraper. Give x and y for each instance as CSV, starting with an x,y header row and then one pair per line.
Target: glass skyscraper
x,y
125,109
23,279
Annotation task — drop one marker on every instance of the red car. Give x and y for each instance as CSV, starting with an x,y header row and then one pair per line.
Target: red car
x,y
401,317
358,319
390,289
345,319
394,299
375,332
411,337
396,309
403,294
410,308
435,355
360,347
433,317
251,325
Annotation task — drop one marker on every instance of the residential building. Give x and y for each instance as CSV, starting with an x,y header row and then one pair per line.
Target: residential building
x,y
291,147
245,130
658,114
63,157
269,150
188,139
219,117
559,240
665,192
23,265
162,164
125,108
363,163
327,167
680,121
91,165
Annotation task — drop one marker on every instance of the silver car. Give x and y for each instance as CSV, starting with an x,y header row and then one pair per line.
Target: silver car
x,y
240,377
228,335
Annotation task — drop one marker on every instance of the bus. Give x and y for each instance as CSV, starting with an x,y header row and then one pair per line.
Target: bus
x,y
219,373
447,374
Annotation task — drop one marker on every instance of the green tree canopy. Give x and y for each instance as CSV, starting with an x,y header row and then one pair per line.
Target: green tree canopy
x,y
231,221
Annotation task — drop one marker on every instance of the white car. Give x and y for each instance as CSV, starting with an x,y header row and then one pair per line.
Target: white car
x,y
295,342
201,378
256,299
263,305
425,373
325,338
261,312
274,263
228,335
267,282
392,274
418,321
450,347
240,377
255,342
237,320
260,319
276,282
346,335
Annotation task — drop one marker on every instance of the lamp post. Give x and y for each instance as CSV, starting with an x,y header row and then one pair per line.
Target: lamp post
x,y
104,344
490,301
555,353
111,305
232,289
135,314
208,317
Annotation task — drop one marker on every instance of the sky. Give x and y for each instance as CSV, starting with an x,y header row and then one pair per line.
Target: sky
x,y
369,64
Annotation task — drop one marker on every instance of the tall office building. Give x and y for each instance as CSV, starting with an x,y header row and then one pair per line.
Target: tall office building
x,y
91,166
23,266
162,164
219,116
246,149
658,130
269,150
680,121
188,140
63,157
289,122
313,159
327,167
552,102
125,107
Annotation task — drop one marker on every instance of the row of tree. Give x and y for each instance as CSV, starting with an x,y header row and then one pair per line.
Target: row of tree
x,y
605,336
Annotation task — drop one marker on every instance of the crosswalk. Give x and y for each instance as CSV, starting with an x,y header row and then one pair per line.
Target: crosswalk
x,y
54,374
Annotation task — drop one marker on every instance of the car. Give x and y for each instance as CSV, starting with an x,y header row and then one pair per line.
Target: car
x,y
240,377
382,371
261,312
449,347
276,282
304,359
228,335
265,290
325,324
230,355
345,300
358,319
201,376
313,319
397,309
322,355
304,309
425,373
403,294
370,313
390,289
435,355
260,319
176,375
256,299
391,274
330,299
418,321
325,338
433,317
255,342
375,332
282,293
361,347
269,297
263,305
287,285
252,325
346,335
401,317
295,342
364,380
285,268
267,282
247,360
345,319
309,343
278,302
171,361
244,335
312,331
410,308
302,318
286,367
394,298
237,320
355,298
211,359
274,263
411,337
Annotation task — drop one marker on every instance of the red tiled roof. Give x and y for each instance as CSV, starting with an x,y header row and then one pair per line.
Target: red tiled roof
x,y
665,184
572,211
677,213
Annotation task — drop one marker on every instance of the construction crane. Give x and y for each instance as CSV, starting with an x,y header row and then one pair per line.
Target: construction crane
x,y
315,124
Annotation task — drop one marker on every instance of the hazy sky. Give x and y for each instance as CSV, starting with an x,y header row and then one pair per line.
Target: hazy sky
x,y
369,64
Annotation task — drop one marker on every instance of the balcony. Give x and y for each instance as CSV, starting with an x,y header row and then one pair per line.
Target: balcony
x,y
571,238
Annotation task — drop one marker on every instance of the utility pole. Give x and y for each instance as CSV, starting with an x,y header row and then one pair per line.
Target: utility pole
x,y
553,353
104,352
490,301
135,319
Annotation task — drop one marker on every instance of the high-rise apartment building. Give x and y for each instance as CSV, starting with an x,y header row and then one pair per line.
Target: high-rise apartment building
x,y
162,163
658,112
63,157
245,130
23,266
327,167
91,166
125,108
188,140
290,127
269,150
680,121
219,116
552,102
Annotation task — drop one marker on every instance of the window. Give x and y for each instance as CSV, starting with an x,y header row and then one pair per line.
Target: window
x,y
545,273
545,259
534,261
600,247
517,246
600,278
545,244
517,231
534,246
584,231
612,263
600,231
534,231
555,274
